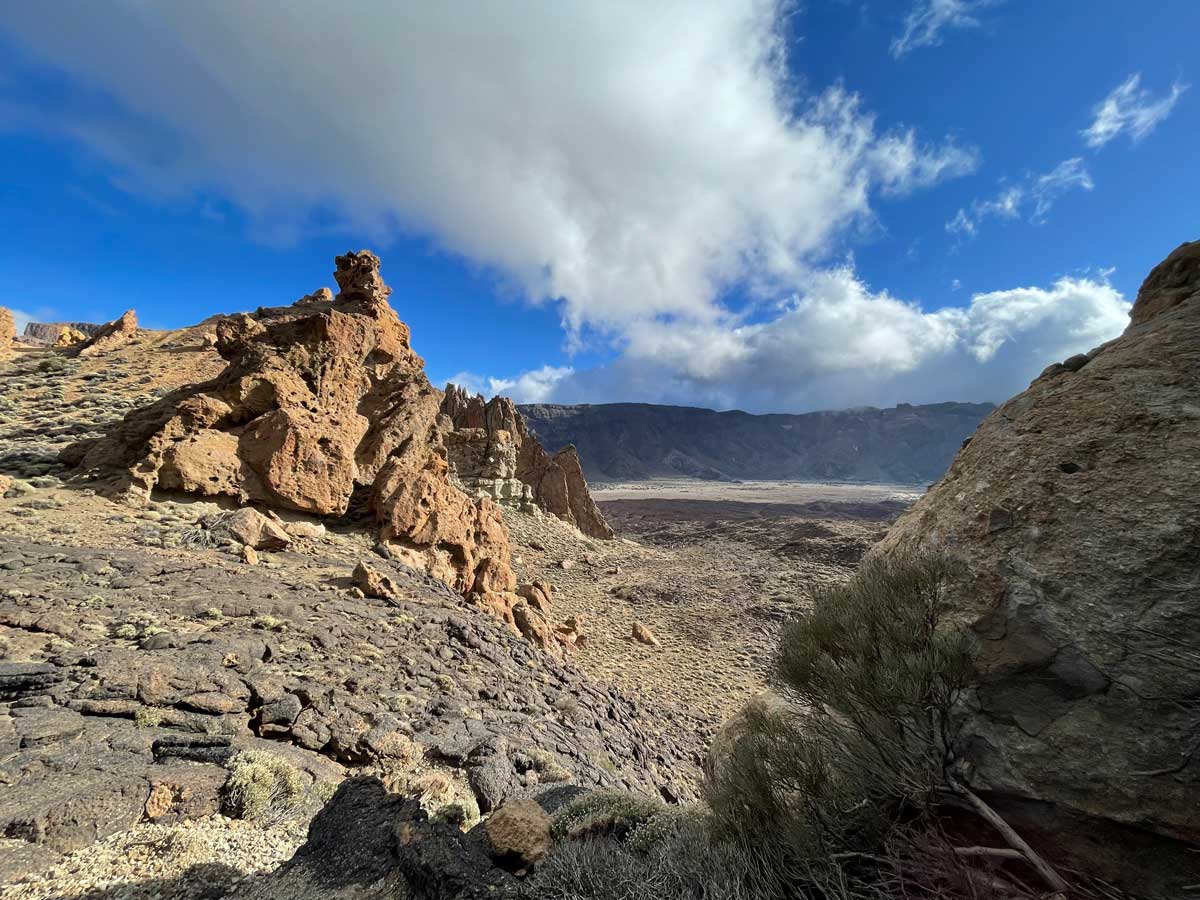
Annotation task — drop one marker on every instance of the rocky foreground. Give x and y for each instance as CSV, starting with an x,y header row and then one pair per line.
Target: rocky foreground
x,y
157,623
241,648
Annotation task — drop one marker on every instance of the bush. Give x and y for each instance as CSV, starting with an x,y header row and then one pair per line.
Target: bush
x,y
686,864
825,796
873,671
262,787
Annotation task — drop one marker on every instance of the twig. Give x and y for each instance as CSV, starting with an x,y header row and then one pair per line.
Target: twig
x,y
1053,880
999,852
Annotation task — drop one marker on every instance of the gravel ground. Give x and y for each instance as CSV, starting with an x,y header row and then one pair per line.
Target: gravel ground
x,y
206,858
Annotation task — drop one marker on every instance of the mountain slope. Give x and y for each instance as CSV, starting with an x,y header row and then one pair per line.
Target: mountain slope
x,y
636,441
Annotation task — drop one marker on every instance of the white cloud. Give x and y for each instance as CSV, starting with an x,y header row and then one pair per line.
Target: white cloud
x,y
902,166
1037,194
632,160
840,344
534,386
927,19
1066,176
1130,108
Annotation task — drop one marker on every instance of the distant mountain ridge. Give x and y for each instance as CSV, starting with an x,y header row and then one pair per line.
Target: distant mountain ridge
x,y
906,444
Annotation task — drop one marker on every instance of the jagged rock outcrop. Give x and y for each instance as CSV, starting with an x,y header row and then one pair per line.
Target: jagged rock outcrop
x,y
320,401
494,453
48,333
111,335
8,331
1075,513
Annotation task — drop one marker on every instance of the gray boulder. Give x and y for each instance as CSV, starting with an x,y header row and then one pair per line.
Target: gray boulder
x,y
1075,509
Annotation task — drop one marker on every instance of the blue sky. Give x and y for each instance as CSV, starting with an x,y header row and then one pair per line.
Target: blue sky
x,y
751,205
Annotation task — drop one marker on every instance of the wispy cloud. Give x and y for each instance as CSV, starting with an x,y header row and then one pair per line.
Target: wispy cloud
x,y
1036,196
1131,109
925,22
1068,175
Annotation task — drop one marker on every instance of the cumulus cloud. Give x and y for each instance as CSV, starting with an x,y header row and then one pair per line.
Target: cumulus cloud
x,y
635,163
628,160
840,344
925,22
1131,109
1036,195
534,386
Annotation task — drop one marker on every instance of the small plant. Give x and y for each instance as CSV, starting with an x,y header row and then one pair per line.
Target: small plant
x,y
447,799
639,822
147,717
128,631
269,623
263,787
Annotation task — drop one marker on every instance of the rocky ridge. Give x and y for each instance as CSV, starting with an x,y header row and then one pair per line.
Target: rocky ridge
x,y
1074,513
620,442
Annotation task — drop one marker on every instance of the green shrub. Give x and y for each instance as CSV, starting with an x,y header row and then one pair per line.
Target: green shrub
x,y
685,865
872,672
640,823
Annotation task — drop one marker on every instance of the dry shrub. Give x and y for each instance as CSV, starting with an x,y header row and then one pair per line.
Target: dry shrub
x,y
264,788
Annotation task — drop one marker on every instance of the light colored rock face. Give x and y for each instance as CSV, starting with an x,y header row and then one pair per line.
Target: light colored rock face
x,y
69,337
494,453
49,332
110,336
320,399
1076,511
8,331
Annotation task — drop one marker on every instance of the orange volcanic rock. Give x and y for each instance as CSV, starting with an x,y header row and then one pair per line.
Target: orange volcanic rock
x,y
110,336
320,401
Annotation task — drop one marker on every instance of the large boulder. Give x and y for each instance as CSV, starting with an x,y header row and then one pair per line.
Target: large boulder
x,y
494,452
1075,512
321,401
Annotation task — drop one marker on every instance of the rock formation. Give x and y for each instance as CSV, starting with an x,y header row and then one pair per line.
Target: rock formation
x,y
110,335
1075,511
323,403
70,337
493,453
320,400
48,333
8,331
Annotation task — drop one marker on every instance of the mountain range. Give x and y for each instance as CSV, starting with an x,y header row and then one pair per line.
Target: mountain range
x,y
907,444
